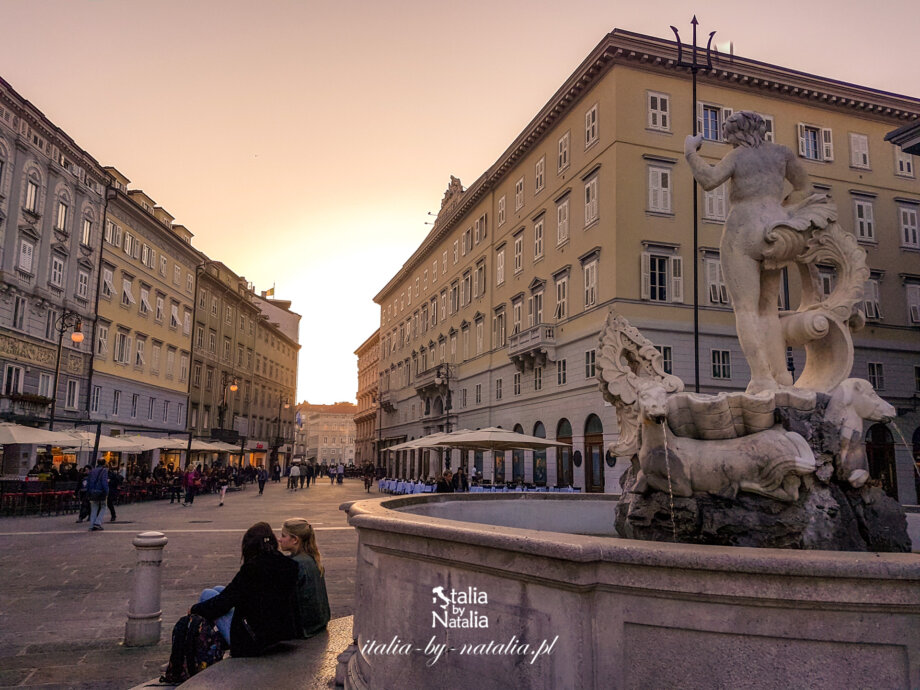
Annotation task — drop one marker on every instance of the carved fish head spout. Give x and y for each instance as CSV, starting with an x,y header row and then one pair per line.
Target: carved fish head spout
x,y
653,402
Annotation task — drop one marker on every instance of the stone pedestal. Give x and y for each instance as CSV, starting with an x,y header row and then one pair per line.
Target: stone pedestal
x,y
144,621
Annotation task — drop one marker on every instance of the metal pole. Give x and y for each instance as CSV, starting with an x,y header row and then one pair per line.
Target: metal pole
x,y
57,374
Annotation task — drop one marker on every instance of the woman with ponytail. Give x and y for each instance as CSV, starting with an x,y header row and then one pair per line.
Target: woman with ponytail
x,y
299,540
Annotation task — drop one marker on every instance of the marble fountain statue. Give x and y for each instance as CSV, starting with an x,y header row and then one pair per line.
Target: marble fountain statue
x,y
661,587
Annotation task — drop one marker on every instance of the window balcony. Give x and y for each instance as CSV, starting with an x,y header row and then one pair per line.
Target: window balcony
x,y
533,347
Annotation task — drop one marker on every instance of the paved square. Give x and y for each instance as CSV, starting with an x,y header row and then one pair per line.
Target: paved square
x,y
64,600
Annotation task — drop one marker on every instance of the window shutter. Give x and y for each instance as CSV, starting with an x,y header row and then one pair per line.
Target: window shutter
x,y
677,279
127,352
709,204
645,285
800,129
711,281
699,117
827,140
665,177
654,191
726,113
913,301
650,109
25,256
768,134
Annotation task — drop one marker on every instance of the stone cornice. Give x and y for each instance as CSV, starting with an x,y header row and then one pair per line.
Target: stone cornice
x,y
660,55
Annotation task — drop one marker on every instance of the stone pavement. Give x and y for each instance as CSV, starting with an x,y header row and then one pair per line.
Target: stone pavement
x,y
65,593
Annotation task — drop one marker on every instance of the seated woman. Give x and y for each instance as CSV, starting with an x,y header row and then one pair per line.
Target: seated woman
x,y
262,597
299,540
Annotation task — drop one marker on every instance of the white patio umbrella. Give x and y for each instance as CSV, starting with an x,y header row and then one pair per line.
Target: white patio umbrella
x,y
430,441
198,444
86,440
224,447
493,438
145,443
11,433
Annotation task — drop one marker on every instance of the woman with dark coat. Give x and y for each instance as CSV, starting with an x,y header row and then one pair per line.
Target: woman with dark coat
x,y
263,599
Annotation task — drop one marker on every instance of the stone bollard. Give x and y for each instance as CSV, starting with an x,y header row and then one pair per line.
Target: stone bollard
x,y
143,625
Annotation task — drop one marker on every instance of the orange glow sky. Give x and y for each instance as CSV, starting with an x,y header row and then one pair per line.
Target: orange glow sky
x,y
304,143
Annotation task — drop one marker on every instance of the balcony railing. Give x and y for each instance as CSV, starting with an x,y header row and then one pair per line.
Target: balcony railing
x,y
533,347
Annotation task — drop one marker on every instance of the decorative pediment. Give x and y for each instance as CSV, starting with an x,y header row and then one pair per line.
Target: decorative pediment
x,y
536,284
478,316
564,271
517,298
452,331
60,248
590,255
30,232
452,195
464,324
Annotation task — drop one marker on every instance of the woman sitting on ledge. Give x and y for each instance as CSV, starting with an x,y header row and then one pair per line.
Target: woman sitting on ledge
x,y
262,600
299,540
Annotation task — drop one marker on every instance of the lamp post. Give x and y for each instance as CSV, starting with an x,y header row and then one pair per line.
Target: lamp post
x,y
227,380
277,441
442,377
65,321
695,67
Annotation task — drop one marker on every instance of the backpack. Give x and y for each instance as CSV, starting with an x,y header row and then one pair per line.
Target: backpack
x,y
196,644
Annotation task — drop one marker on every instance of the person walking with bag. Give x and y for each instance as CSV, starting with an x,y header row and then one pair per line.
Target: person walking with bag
x,y
97,491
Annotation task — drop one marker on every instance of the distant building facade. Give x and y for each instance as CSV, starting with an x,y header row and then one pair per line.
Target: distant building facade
x,y
143,334
493,320
328,432
51,217
366,417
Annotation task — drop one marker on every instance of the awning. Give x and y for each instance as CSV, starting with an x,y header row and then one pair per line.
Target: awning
x,y
86,440
494,438
145,443
17,433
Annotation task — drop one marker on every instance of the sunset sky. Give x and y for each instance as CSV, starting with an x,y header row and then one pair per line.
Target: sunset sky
x,y
304,143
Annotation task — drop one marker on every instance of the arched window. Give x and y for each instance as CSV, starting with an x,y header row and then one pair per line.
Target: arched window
x,y
880,454
539,457
564,470
517,459
594,454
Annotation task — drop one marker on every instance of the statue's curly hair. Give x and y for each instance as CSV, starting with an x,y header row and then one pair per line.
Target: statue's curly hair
x,y
747,127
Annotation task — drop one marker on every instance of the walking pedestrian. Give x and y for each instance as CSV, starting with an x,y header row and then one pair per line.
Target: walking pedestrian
x,y
115,480
192,479
83,494
97,489
340,473
223,482
262,476
295,477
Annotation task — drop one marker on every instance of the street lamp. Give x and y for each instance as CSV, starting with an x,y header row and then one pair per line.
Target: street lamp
x,y
64,322
442,378
227,380
278,441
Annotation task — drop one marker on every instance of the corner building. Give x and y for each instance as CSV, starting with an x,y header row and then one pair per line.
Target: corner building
x,y
366,418
494,319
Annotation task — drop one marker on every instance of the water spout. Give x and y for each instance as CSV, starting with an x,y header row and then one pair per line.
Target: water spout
x,y
667,464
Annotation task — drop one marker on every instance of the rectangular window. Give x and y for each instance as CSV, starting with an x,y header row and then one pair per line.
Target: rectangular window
x,y
659,116
50,327
560,373
127,297
815,143
591,126
166,411
538,239
498,389
666,360
721,364
174,316
60,222
519,252
903,163
465,249
500,266
57,271
562,221
94,401
591,212
871,299
482,227
160,308
170,363
456,259
913,303
177,276
478,393
196,376
562,297
12,379
102,340
150,404
516,315
135,399
909,233
466,295
516,383
659,189
590,364
498,329
709,121
590,271
539,175
535,306
501,211
83,284
26,255
538,378
876,371
31,197
155,358
715,282
479,337
144,307
864,220
662,277
859,151
714,207
519,194
44,385
139,354
116,401
20,306
562,159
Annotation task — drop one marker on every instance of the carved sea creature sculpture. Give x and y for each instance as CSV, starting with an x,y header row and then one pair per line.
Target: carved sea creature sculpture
x,y
851,402
770,462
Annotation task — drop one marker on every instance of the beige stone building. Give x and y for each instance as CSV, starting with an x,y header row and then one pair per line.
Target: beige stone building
x,y
328,433
493,320
366,419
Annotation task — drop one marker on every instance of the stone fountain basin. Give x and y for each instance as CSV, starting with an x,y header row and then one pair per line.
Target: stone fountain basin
x,y
627,613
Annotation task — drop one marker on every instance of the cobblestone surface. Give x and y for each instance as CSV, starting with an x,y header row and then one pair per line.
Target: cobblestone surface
x,y
65,593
